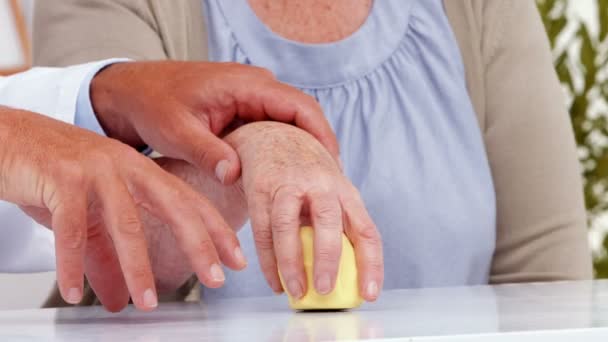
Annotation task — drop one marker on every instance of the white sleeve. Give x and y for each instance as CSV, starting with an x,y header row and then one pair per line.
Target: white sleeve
x,y
26,246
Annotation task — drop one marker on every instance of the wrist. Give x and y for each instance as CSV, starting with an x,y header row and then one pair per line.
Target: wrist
x,y
110,101
253,133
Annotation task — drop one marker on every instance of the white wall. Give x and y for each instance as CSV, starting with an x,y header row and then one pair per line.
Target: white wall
x,y
24,291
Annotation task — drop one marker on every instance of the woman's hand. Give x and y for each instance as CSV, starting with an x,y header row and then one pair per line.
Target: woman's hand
x,y
289,179
71,179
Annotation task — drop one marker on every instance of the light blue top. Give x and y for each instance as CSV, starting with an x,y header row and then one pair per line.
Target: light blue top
x,y
395,94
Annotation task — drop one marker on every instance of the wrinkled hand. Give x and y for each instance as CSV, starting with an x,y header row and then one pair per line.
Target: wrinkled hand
x,y
88,189
179,108
288,179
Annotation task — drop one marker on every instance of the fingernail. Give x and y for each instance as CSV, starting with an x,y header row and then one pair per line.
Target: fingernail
x,y
372,290
220,170
295,290
238,255
216,273
74,296
150,299
323,284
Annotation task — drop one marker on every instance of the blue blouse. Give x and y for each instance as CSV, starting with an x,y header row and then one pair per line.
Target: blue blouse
x,y
394,92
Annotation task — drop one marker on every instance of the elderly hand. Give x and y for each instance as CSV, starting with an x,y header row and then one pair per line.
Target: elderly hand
x,y
87,188
288,179
179,108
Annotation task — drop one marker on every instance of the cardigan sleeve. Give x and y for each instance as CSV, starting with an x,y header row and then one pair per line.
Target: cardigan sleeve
x,y
72,31
541,219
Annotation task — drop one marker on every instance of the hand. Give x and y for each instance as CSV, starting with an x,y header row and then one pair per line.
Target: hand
x,y
288,179
169,264
88,188
179,108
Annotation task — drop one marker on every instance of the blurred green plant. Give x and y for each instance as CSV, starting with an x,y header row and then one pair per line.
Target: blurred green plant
x,y
581,60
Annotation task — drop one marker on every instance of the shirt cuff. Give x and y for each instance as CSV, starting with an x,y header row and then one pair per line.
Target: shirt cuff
x,y
85,115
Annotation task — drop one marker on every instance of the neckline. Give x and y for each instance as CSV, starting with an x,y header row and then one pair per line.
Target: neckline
x,y
335,62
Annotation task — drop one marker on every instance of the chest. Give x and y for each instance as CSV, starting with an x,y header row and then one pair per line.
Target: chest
x,y
312,21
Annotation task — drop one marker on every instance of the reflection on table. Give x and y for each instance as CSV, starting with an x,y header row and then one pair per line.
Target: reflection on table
x,y
564,308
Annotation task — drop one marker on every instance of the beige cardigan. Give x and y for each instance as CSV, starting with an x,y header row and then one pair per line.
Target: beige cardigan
x,y
541,221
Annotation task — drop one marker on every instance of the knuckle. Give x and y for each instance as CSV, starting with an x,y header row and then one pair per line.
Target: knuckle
x,y
94,232
269,269
283,223
327,214
287,190
130,225
206,249
202,156
263,239
72,239
101,156
327,255
369,233
376,264
289,263
139,272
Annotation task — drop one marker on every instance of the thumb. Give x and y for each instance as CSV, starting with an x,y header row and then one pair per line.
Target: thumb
x,y
203,149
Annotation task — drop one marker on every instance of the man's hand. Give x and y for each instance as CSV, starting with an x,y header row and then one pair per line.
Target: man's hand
x,y
179,109
169,264
87,188
288,180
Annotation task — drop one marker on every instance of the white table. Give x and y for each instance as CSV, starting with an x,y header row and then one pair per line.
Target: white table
x,y
567,311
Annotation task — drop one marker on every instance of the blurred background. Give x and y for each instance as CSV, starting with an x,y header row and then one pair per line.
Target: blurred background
x,y
578,32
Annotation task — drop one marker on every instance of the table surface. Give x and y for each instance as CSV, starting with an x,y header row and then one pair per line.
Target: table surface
x,y
563,311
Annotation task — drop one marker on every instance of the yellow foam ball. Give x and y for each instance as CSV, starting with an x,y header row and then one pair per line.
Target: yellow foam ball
x,y
345,294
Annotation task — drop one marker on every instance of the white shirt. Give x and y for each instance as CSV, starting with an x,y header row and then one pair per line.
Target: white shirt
x,y
26,246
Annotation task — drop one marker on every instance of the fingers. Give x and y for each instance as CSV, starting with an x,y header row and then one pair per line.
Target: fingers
x,y
259,211
103,270
194,142
326,215
198,227
69,222
285,225
122,221
368,247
